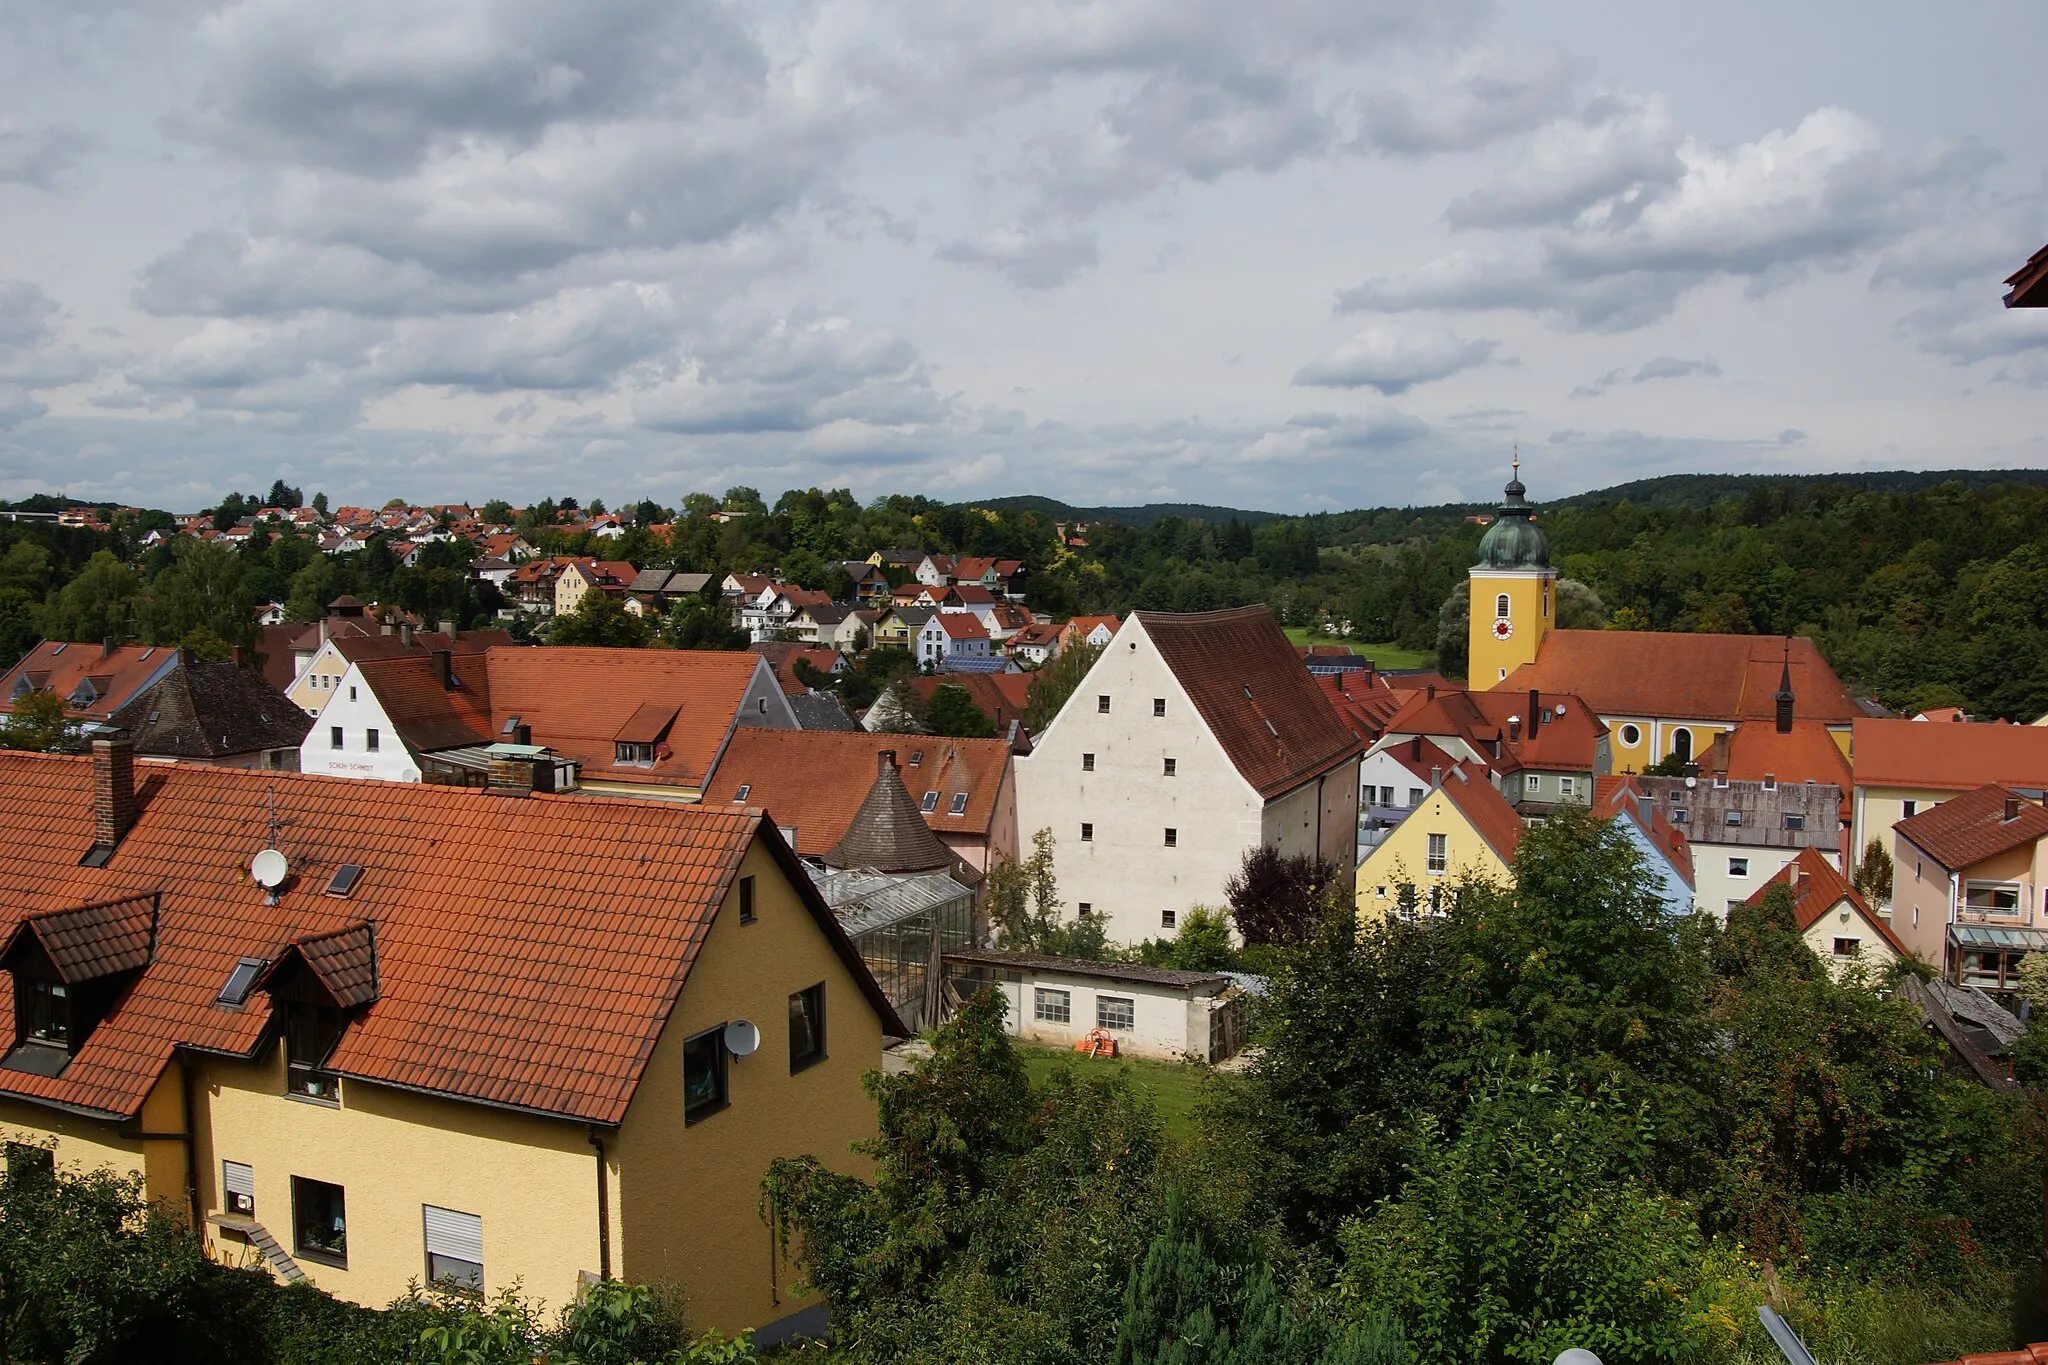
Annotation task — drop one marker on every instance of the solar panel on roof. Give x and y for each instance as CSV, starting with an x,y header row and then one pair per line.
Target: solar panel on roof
x,y
345,878
236,989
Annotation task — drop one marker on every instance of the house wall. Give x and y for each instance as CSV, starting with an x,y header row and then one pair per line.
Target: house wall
x,y
1531,594
999,844
1874,810
1716,886
354,707
1319,818
1920,901
686,1207
1657,739
1126,874
316,683
1403,857
1678,898
1873,954
1381,770
1170,1024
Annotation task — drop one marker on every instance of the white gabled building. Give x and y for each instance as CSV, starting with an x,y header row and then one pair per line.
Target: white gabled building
x,y
1193,739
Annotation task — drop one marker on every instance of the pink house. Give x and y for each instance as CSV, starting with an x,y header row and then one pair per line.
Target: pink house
x,y
1968,884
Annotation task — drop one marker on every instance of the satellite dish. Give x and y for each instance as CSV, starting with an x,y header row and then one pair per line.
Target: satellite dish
x,y
269,869
1692,781
742,1038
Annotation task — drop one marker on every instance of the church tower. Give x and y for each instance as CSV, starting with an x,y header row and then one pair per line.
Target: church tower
x,y
1514,591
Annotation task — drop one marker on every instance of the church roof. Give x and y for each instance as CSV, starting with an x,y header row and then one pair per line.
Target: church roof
x,y
1674,675
1513,542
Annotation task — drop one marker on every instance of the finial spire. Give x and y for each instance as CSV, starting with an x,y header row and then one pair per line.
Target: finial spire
x,y
1517,463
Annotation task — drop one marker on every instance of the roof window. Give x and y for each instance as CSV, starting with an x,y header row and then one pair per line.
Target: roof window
x,y
929,804
235,989
1734,817
916,757
344,880
959,806
511,724
746,790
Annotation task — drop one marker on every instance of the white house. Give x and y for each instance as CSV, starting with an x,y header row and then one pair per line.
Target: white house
x,y
1744,833
353,737
1193,739
950,637
1156,1012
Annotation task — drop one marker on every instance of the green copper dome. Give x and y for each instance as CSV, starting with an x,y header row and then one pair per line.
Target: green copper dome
x,y
1513,542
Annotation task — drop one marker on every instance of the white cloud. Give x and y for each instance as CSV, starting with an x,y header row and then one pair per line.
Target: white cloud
x,y
44,157
1394,359
1486,95
1620,148
1028,260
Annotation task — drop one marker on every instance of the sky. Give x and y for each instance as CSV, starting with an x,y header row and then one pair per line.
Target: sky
x,y
1286,254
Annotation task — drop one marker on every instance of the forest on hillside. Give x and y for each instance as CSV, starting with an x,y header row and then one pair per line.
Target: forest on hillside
x,y
1922,595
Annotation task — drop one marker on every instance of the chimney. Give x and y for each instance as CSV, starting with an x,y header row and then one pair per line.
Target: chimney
x,y
1717,754
509,777
1514,729
1536,716
326,628
444,672
2012,808
405,635
448,628
522,734
1430,690
1792,875
384,626
188,658
1436,778
1415,749
113,788
109,645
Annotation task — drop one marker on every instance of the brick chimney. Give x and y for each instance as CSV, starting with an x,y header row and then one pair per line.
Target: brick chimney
x,y
405,634
113,788
444,669
109,645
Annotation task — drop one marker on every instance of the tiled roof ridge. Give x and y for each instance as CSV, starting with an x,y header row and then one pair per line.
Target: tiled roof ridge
x,y
1967,829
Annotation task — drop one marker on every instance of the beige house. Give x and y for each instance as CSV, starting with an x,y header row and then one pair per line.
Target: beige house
x,y
1834,920
1970,883
581,576
1905,767
488,1036
1193,739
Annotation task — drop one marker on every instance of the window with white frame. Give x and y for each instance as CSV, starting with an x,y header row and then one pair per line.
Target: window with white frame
x,y
1532,784
1052,1006
1992,898
1500,606
1087,763
1738,867
455,1249
1118,1012
929,804
1415,796
1439,852
1848,947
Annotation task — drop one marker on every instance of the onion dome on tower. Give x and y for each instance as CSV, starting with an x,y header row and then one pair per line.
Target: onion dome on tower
x,y
1513,542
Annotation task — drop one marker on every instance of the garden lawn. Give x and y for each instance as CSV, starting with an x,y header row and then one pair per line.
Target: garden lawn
x,y
1175,1088
1383,656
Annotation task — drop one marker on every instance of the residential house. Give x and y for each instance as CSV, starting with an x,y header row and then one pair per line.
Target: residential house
x,y
1463,832
654,591
957,641
1001,697
628,722
1970,882
1192,740
815,782
342,542
270,614
1035,644
1661,844
315,686
782,656
220,714
1393,780
870,586
496,572
820,622
506,545
1743,833
580,576
1834,920
903,562
356,1076
1158,1012
1090,630
1541,751
900,626
95,680
772,611
935,571
1904,767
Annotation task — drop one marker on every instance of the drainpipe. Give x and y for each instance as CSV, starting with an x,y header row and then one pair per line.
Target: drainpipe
x,y
191,1146
604,1209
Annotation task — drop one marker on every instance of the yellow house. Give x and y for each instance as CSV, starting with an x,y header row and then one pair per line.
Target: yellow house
x,y
580,576
1463,831
370,1033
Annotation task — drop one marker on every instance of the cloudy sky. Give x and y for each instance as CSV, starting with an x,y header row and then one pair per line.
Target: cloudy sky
x,y
1291,254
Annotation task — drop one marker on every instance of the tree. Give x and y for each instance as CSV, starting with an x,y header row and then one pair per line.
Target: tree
x,y
1022,899
37,723
1278,898
702,621
283,495
1054,682
599,619
1172,1298
1874,873
496,512
320,503
1200,944
204,588
98,603
951,711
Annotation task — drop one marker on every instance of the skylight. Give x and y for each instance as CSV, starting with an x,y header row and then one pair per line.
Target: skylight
x,y
916,757
345,878
959,806
511,724
236,989
930,803
746,790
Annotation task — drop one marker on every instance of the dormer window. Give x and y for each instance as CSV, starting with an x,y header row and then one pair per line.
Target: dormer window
x,y
83,694
311,1031
22,688
46,1013
959,806
69,967
633,755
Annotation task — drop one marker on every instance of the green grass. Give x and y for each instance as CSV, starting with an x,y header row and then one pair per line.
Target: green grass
x,y
1385,656
1175,1088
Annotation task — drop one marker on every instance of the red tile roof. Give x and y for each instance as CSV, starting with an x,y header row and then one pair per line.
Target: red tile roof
x,y
1680,676
1491,817
1965,830
1422,758
117,677
1820,889
1911,753
1809,754
1558,741
815,780
1001,697
1252,692
1365,707
783,654
528,952
962,625
1081,627
1614,796
970,595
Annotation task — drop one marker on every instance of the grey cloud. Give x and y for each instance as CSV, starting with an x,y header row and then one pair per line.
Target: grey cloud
x,y
1663,367
1029,260
1620,148
792,374
1486,96
1394,359
25,313
43,157
576,340
1966,330
16,407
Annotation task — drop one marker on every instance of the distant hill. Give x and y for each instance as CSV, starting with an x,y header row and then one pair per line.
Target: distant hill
x,y
1704,490
1131,516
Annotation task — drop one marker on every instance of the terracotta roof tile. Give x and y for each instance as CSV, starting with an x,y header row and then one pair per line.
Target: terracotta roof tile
x,y
59,666
1001,697
92,940
1911,753
962,625
1679,675
1809,754
1821,889
527,951
1967,829
1491,817
1252,692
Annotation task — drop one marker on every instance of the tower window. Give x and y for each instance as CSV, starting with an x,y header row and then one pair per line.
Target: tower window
x,y
1500,606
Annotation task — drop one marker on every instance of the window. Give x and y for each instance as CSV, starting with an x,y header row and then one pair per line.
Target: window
x,y
310,1033
1567,786
917,758
1992,898
959,805
334,736
351,692
1439,852
746,789
455,1249
1087,832
806,1027
1102,704
1795,821
1168,918
1386,796
319,1221
46,1013
1054,1007
1415,796
1681,743
1909,806
1087,763
633,755
235,990
1117,1012
761,704
238,1188
1159,706
929,804
1733,818
746,900
703,1074
1678,815
1630,736
370,740
1500,606
1172,837
1085,909
1532,784
1167,771
1848,947
1738,867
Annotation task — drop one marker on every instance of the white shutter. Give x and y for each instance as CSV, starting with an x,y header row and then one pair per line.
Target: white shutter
x,y
458,1236
238,1179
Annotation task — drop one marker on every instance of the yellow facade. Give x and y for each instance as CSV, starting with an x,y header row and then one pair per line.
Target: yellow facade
x,y
1638,742
682,1200
1512,610
1402,859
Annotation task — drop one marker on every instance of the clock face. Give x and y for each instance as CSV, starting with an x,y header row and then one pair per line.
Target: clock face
x,y
1503,628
